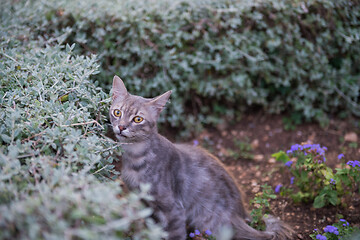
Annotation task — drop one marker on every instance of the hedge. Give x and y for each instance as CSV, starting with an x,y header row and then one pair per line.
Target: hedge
x,y
221,58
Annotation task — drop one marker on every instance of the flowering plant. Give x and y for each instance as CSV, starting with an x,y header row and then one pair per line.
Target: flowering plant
x,y
339,230
313,180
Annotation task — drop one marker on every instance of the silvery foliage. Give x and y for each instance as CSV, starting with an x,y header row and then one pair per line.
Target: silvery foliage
x,y
57,180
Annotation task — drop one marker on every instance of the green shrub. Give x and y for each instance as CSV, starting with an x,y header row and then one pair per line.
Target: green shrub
x,y
56,172
283,55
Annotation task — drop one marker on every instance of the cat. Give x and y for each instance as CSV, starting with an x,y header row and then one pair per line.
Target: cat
x,y
190,187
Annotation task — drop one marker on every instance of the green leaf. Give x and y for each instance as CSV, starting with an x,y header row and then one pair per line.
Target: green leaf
x,y
319,201
5,138
333,198
281,156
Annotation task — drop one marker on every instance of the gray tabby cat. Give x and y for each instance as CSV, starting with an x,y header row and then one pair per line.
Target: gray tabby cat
x,y
191,188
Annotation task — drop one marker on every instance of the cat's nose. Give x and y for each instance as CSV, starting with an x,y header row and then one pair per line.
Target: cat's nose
x,y
121,128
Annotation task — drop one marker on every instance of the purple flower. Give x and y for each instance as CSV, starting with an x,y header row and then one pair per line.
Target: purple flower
x,y
292,180
332,181
288,163
353,163
330,229
277,188
288,152
320,237
208,232
197,232
296,147
357,163
340,156
195,142
345,222
309,148
192,235
320,151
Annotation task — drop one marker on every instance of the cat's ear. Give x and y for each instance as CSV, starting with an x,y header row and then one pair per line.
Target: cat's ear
x,y
158,103
118,88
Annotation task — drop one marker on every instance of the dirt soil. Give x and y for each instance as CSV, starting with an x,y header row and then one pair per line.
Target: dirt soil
x,y
246,147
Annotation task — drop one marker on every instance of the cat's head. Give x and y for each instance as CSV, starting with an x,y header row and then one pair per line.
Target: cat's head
x,y
133,118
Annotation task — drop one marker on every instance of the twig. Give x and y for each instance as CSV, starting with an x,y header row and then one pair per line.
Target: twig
x,y
31,137
110,148
99,170
10,58
28,155
81,124
354,104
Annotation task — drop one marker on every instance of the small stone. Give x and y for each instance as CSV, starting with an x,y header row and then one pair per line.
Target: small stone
x,y
258,157
272,160
221,126
255,143
256,189
312,137
351,137
267,127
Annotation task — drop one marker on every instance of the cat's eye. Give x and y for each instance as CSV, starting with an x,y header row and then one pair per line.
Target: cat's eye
x,y
138,119
117,113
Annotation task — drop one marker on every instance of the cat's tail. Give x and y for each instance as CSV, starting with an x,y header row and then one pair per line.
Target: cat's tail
x,y
278,228
275,230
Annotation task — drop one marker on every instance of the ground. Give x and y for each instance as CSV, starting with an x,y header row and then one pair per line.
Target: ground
x,y
246,147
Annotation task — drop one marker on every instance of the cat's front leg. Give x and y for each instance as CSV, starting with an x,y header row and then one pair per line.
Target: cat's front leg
x,y
172,217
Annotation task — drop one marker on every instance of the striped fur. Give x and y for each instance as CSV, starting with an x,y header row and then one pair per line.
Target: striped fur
x,y
191,188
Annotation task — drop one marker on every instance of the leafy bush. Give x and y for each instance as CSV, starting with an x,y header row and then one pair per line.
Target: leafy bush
x,y
56,172
219,57
314,180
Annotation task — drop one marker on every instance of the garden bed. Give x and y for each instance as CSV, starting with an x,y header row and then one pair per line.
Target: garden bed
x,y
263,135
